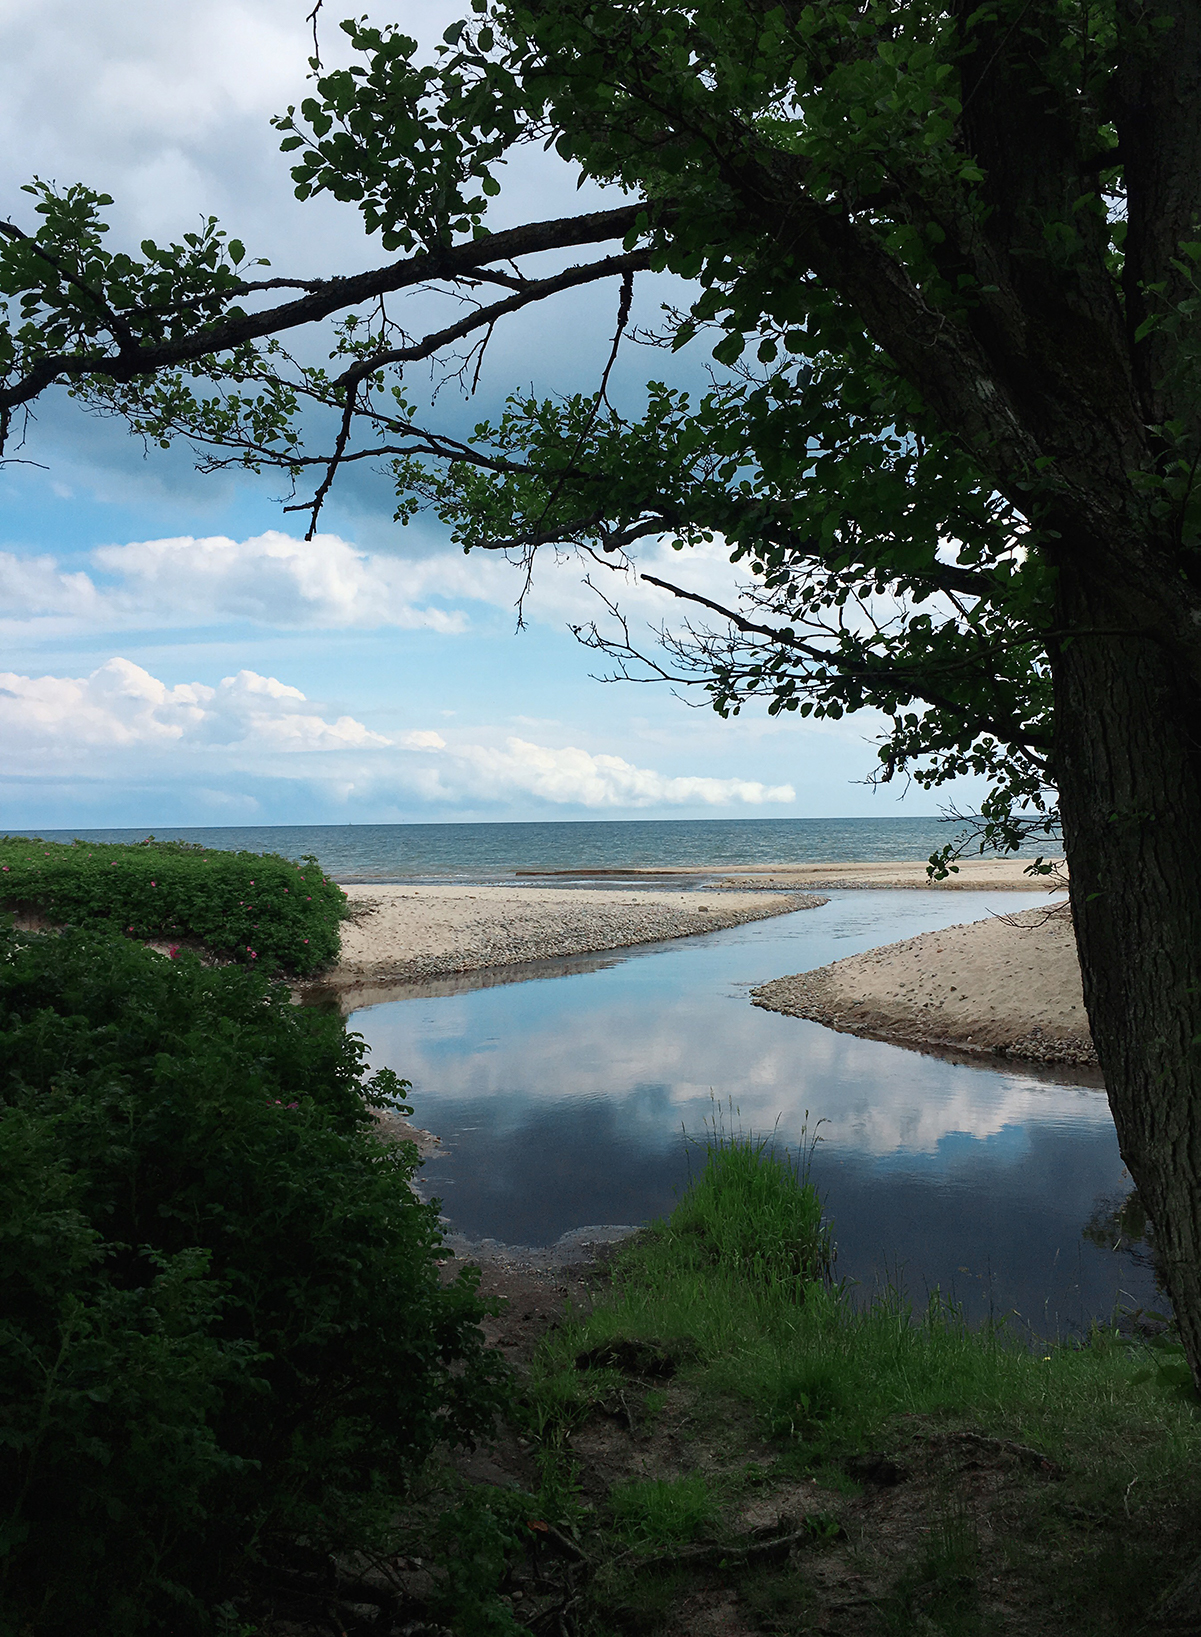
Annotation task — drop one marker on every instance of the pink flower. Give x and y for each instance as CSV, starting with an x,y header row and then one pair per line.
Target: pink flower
x,y
174,951
154,883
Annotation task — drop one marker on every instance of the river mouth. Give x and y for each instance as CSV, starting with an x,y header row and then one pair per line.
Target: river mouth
x,y
585,1097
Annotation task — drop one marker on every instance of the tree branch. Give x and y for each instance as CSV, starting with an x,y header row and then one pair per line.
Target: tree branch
x,y
530,291
331,296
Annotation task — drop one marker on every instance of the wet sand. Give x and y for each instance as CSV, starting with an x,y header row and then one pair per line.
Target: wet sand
x,y
973,875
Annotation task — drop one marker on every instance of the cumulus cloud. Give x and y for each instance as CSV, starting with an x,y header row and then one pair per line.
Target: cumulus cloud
x,y
573,776
327,583
167,107
120,705
120,717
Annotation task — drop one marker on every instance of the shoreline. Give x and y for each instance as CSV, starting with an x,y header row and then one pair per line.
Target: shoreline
x,y
972,875
420,934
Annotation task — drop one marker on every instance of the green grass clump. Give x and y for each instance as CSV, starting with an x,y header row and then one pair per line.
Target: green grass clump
x,y
255,908
662,1511
753,1213
223,1336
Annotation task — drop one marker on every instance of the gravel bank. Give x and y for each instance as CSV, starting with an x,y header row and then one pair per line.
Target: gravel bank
x,y
408,934
1009,986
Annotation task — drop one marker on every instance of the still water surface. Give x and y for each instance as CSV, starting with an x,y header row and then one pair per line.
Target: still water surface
x,y
562,1101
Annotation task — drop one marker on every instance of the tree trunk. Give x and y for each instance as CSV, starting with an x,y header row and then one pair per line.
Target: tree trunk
x,y
1128,767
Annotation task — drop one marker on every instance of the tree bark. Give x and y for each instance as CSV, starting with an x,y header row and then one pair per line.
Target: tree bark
x,y
1128,766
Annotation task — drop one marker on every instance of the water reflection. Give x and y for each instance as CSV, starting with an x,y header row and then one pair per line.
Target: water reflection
x,y
563,1102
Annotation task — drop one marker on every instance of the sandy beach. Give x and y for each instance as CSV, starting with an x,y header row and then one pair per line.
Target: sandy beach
x,y
1009,986
411,934
973,875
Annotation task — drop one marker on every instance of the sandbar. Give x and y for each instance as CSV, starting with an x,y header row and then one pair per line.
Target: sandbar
x,y
412,934
973,875
1007,986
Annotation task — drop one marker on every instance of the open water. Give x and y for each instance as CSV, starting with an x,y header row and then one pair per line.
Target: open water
x,y
490,852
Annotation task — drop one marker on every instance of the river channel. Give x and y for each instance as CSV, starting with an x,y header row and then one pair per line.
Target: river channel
x,y
575,1096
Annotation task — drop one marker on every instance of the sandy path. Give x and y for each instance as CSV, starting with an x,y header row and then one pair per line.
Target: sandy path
x,y
1006,985
406,934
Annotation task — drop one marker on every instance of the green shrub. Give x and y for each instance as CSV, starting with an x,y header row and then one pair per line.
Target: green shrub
x,y
221,1321
256,908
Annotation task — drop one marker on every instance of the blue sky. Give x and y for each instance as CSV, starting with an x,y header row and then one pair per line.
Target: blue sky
x,y
174,652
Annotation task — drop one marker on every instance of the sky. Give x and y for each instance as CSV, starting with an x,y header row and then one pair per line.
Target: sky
x,y
172,650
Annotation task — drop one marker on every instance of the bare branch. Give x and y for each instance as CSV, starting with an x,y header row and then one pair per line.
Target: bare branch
x,y
485,317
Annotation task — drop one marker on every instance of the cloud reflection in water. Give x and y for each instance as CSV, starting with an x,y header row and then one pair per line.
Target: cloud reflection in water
x,y
564,1101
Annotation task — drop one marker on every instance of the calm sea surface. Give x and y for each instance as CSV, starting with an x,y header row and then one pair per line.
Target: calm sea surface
x,y
481,852
567,1099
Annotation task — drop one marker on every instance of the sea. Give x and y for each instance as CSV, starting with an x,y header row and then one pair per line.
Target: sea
x,y
500,852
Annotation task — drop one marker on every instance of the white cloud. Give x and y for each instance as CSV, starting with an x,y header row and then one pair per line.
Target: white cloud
x,y
166,106
120,705
121,719
573,776
277,580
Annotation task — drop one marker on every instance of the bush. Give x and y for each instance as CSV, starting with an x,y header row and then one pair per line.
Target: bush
x,y
256,908
222,1327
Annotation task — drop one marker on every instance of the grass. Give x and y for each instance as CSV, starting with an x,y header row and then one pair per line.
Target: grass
x,y
1088,1478
662,1511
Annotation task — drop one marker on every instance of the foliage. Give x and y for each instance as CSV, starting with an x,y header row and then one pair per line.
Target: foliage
x,y
247,907
223,1326
474,1542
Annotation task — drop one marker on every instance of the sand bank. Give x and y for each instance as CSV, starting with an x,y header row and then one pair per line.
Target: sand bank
x,y
411,934
1008,985
974,875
